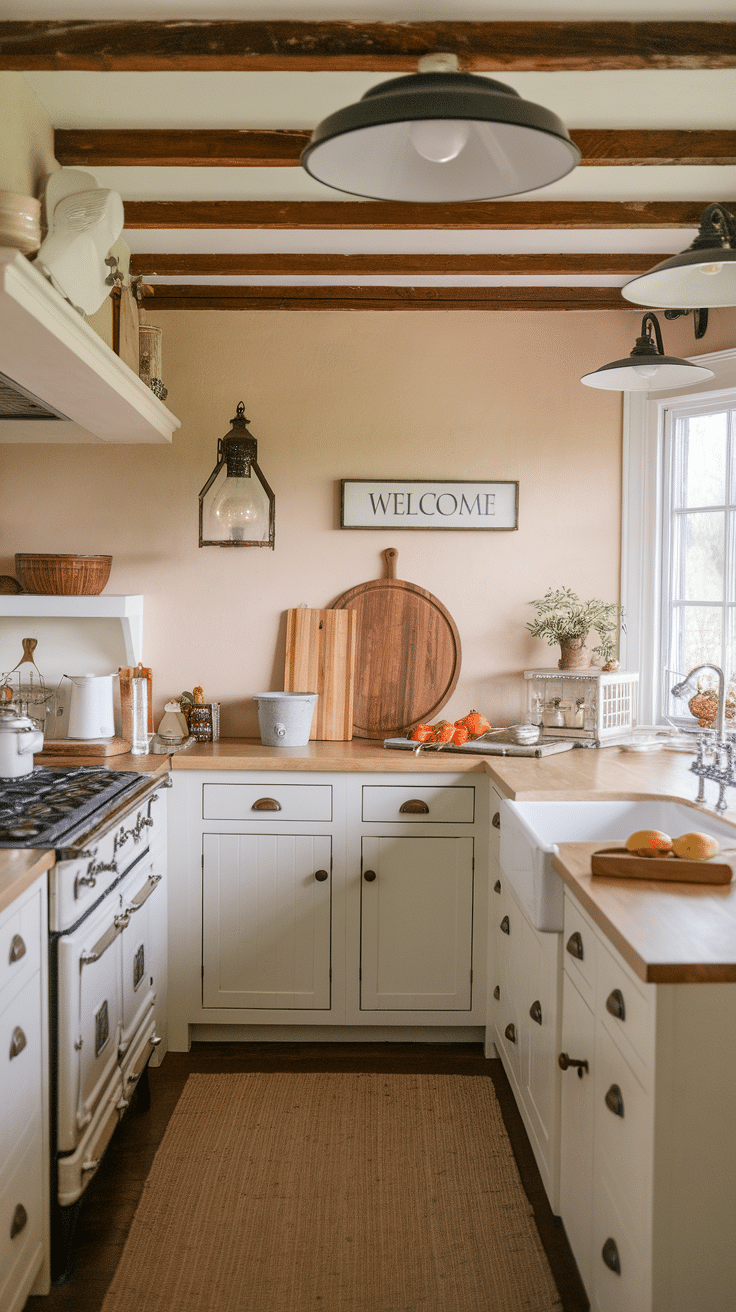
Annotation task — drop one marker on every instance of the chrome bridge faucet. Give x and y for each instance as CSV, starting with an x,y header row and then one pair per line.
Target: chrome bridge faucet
x,y
721,768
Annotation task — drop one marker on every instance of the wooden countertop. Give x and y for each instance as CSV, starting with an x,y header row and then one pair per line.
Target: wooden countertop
x,y
149,764
18,869
669,933
358,755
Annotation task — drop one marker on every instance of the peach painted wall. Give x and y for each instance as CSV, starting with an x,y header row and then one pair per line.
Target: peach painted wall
x,y
338,395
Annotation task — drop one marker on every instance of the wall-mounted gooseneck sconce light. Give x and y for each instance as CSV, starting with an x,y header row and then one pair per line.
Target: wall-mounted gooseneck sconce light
x,y
440,135
647,369
703,275
236,506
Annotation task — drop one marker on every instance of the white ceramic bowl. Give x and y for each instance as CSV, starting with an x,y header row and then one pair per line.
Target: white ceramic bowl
x,y
20,221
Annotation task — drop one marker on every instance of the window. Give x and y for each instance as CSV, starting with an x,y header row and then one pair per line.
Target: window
x,y
679,535
699,587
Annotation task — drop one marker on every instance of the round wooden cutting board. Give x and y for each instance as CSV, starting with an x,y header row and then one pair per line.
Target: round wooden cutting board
x,y
407,659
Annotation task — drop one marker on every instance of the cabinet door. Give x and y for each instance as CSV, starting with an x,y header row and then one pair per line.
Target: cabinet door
x,y
540,1071
416,924
576,1128
266,930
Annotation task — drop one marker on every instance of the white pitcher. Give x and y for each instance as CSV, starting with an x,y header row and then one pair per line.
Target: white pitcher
x,y
91,713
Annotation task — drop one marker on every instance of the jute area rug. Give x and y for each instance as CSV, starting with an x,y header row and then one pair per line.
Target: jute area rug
x,y
334,1193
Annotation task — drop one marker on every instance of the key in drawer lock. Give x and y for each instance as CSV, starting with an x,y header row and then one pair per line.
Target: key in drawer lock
x,y
614,1101
615,1004
17,1043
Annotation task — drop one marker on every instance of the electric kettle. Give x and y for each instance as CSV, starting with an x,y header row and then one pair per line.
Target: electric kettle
x,y
91,712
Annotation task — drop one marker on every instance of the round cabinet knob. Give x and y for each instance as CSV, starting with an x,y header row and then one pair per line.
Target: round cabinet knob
x,y
564,1062
321,876
369,876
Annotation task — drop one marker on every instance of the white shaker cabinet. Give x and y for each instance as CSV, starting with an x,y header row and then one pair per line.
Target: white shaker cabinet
x,y
325,899
24,1146
648,1155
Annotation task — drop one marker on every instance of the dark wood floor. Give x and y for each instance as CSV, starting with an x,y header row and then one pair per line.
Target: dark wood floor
x,y
111,1199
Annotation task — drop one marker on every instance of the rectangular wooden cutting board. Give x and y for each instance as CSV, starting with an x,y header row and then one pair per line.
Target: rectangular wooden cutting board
x,y
320,657
626,865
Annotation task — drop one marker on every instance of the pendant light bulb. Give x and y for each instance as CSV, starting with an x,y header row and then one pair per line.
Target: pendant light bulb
x,y
238,513
439,140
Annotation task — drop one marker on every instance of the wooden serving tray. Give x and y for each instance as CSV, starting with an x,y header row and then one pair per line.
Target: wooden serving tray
x,y
622,864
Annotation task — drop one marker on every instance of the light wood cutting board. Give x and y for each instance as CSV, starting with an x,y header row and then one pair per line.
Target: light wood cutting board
x,y
407,654
320,657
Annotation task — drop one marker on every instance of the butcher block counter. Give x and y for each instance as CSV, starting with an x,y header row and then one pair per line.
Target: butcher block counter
x,y
18,870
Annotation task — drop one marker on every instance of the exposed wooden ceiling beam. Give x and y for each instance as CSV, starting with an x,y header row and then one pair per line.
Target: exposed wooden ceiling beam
x,y
99,45
386,298
365,215
309,263
256,148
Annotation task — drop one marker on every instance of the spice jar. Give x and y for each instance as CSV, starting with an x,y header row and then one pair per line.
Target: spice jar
x,y
554,712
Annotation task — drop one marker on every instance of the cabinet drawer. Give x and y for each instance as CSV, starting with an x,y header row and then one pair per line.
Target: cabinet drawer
x,y
627,1009
627,1289
579,950
624,1132
418,804
21,1228
20,945
20,1069
267,802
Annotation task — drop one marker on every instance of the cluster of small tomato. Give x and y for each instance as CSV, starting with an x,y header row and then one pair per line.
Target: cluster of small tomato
x,y
462,731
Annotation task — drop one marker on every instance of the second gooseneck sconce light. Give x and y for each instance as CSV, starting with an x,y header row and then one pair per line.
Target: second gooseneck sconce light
x,y
647,369
440,135
703,275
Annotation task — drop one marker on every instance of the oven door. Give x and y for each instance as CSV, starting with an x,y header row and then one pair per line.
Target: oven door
x,y
90,1017
140,898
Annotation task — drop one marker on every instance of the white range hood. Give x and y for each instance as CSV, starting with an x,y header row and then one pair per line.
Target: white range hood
x,y
48,350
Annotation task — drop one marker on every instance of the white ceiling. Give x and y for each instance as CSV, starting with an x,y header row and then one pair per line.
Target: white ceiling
x,y
678,99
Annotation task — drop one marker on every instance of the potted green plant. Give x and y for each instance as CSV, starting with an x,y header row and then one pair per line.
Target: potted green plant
x,y
563,618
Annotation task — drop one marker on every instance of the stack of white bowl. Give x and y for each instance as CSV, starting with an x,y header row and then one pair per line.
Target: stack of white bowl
x,y
20,222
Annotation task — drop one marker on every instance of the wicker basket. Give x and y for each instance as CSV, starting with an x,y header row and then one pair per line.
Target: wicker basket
x,y
63,576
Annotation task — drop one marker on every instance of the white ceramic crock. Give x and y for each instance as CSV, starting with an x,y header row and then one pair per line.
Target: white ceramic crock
x,y
19,739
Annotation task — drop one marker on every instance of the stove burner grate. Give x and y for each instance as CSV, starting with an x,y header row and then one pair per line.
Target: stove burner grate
x,y
39,809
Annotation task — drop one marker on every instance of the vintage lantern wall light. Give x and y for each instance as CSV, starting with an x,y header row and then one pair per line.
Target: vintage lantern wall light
x,y
236,505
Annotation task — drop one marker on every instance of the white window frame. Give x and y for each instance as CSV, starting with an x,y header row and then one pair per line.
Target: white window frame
x,y
643,515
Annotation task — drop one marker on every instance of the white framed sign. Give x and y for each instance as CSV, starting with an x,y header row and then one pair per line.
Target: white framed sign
x,y
411,503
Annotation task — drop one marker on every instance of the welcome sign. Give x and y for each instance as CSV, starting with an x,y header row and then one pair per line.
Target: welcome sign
x,y
366,503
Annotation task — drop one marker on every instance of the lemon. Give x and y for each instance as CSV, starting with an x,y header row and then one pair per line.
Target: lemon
x,y
695,847
649,842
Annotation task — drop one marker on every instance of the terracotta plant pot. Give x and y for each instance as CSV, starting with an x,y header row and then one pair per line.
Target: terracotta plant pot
x,y
574,656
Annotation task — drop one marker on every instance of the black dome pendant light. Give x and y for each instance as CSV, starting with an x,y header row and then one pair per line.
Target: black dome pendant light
x,y
440,135
647,369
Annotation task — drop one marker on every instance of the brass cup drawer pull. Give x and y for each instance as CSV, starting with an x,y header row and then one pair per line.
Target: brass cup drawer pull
x,y
17,1043
266,804
565,1063
505,926
497,886
369,876
535,1011
497,992
574,946
19,1221
615,1004
614,1101
17,949
510,1032
496,821
321,876
609,1253
414,807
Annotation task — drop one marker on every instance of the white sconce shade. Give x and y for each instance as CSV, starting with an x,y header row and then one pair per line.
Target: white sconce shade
x,y
647,369
703,275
